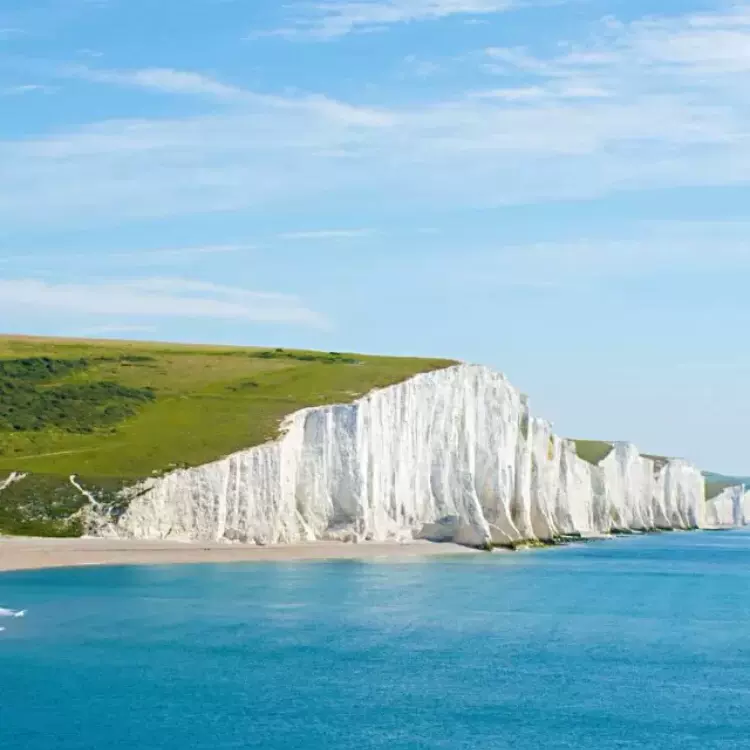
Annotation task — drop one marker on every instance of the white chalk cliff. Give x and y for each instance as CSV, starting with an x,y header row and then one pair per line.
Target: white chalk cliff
x,y
447,455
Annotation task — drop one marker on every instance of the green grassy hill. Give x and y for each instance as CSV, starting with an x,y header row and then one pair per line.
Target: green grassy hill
x,y
717,483
116,412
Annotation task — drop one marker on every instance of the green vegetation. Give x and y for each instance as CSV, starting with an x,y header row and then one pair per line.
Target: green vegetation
x,y
41,506
523,544
117,412
659,461
593,451
332,358
28,403
717,483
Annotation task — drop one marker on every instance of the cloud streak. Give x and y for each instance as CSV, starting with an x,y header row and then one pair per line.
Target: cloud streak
x,y
327,234
116,328
155,256
649,104
331,20
157,298
164,80
190,83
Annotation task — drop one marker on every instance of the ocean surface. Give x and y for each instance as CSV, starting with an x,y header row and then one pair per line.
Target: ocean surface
x,y
631,643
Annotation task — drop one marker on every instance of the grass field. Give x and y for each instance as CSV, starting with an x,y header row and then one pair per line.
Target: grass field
x,y
207,401
115,412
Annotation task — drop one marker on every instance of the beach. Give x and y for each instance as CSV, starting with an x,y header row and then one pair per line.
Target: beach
x,y
22,553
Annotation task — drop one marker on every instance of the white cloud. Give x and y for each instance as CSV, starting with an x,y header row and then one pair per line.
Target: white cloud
x,y
188,83
327,234
166,80
416,66
652,249
536,93
618,113
330,20
118,328
522,93
159,254
27,88
689,46
700,43
156,298
153,256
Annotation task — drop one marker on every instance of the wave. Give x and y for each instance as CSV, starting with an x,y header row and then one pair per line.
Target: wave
x,y
12,612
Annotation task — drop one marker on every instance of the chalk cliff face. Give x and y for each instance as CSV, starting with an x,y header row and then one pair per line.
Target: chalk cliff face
x,y
730,508
450,455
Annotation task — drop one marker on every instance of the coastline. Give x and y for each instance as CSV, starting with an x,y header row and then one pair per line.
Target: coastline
x,y
31,553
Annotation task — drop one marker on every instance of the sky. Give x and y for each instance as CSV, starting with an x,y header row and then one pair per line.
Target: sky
x,y
554,188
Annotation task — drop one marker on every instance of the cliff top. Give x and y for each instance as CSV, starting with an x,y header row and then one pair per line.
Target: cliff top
x,y
126,409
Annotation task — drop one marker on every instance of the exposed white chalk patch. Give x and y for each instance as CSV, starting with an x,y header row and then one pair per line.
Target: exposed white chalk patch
x,y
12,479
92,500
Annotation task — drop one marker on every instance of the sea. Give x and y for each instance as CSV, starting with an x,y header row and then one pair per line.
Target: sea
x,y
638,642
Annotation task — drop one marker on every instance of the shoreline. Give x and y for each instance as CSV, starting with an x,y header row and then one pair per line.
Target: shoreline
x,y
31,553
38,553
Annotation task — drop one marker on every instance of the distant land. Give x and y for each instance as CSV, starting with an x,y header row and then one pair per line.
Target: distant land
x,y
717,483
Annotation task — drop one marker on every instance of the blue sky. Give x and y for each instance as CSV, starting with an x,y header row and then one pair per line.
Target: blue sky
x,y
558,189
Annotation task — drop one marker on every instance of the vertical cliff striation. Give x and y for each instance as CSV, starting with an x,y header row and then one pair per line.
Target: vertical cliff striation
x,y
452,454
730,508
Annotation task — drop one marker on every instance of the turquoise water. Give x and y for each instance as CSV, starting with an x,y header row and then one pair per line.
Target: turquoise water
x,y
633,643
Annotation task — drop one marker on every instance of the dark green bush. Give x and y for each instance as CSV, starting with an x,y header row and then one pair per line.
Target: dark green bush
x,y
39,369
28,403
332,358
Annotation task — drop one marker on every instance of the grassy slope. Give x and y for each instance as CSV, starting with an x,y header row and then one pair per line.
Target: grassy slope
x,y
717,483
210,401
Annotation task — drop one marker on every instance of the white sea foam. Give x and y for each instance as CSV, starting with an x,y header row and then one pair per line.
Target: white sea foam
x,y
12,612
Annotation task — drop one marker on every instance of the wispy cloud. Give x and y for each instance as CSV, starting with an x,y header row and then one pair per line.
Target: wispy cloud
x,y
153,256
540,93
189,83
10,33
623,111
26,88
116,328
156,298
329,20
327,234
688,46
165,80
653,249
420,68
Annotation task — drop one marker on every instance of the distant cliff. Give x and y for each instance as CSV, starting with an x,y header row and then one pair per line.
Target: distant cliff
x,y
452,454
